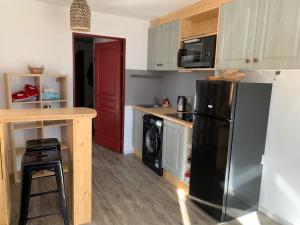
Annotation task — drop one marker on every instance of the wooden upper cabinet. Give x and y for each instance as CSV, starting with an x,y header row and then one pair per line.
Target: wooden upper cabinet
x,y
237,34
163,45
278,35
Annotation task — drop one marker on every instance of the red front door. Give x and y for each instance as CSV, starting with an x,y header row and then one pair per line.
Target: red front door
x,y
108,94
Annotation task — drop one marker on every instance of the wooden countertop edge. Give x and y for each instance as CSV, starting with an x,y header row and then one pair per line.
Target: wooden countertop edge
x,y
163,116
26,115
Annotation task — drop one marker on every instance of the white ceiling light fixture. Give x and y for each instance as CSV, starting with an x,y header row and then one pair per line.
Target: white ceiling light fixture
x,y
80,16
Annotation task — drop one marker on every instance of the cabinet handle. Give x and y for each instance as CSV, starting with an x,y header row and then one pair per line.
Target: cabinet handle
x,y
247,60
255,60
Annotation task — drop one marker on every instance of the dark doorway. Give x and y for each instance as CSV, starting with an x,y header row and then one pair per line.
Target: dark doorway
x,y
99,83
84,74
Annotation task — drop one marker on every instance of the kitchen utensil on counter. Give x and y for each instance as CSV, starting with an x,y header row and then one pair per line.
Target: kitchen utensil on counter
x,y
181,103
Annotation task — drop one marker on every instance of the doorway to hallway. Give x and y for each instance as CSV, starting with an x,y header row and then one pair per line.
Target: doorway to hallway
x,y
99,69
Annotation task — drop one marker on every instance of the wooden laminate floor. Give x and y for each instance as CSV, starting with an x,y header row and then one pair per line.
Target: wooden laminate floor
x,y
125,192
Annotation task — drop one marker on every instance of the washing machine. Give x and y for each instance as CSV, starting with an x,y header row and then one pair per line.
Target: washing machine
x,y
152,143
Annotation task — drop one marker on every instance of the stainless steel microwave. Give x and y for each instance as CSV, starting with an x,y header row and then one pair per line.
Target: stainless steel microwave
x,y
198,53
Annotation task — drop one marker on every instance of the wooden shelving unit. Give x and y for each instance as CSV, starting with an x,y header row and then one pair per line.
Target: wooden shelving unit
x,y
40,129
201,24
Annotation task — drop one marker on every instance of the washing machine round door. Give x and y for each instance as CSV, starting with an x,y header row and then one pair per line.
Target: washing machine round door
x,y
152,140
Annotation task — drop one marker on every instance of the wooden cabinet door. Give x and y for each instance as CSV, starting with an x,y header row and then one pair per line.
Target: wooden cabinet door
x,y
278,35
172,148
170,46
155,38
237,34
138,129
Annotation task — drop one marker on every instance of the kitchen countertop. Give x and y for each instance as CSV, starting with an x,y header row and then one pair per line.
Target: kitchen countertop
x,y
161,112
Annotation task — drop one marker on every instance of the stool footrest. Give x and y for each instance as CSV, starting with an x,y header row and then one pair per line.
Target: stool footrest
x,y
43,193
45,215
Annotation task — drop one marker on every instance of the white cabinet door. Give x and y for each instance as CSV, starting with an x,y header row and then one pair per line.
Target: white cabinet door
x,y
278,35
137,134
163,45
237,34
155,38
172,148
170,46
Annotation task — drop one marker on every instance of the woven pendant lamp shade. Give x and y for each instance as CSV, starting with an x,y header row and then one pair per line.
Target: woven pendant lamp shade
x,y
80,16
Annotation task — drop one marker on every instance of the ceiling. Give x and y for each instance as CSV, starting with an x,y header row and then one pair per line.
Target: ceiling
x,y
140,9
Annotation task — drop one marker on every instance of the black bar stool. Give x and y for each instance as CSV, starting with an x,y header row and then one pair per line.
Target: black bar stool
x,y
33,162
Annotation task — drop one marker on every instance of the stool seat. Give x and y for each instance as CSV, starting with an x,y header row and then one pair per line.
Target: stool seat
x,y
45,158
46,144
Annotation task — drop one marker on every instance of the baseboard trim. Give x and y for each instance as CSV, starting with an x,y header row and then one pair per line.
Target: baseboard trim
x,y
273,216
137,153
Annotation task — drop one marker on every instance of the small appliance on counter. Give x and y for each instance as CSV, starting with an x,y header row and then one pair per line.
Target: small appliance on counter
x,y
181,103
229,134
152,143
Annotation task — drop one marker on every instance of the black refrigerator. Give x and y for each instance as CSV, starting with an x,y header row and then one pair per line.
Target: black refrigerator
x,y
229,133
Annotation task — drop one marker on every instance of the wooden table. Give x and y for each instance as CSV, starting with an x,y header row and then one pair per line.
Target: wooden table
x,y
80,157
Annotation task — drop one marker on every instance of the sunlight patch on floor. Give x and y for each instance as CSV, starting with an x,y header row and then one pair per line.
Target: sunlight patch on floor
x,y
182,196
249,219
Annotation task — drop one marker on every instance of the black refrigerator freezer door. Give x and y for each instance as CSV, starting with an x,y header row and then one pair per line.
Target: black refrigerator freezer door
x,y
215,98
209,163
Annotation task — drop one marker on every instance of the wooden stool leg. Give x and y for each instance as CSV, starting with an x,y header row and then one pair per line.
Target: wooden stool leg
x,y
25,196
62,194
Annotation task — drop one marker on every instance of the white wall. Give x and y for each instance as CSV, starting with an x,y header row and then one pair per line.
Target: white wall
x,y
38,33
280,193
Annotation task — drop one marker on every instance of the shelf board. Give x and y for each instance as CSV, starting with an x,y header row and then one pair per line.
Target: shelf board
x,y
198,36
55,101
27,126
35,75
55,123
28,102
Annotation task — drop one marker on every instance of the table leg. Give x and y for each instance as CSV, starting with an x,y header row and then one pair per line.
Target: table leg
x,y
80,170
4,180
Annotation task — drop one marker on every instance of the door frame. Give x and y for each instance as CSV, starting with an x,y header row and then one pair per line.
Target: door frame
x,y
123,42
